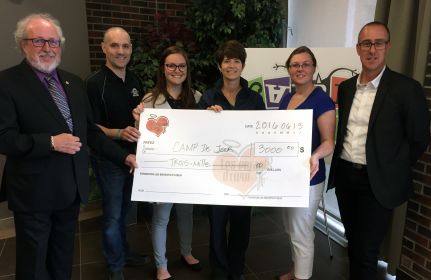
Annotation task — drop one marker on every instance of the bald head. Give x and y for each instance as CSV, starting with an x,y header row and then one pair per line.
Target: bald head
x,y
373,24
115,31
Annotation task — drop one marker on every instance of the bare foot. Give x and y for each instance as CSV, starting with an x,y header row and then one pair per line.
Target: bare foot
x,y
162,273
190,259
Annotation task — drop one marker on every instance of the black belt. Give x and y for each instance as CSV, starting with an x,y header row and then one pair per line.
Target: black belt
x,y
354,165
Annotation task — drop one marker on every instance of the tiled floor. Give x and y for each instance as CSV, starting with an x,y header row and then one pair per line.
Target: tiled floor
x,y
268,252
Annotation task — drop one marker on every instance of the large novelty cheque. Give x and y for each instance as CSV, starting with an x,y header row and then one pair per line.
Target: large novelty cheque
x,y
254,158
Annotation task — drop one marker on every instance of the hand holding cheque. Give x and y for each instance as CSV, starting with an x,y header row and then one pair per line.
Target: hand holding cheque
x,y
254,158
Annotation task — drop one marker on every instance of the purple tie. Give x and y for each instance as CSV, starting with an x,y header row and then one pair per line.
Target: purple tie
x,y
60,100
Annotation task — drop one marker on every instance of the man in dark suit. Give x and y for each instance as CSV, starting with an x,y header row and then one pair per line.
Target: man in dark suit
x,y
383,129
45,127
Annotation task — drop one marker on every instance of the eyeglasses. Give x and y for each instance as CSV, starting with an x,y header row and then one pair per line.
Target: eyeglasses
x,y
305,65
40,42
172,67
378,45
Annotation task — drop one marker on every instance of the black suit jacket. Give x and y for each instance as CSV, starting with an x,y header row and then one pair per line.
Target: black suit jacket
x,y
36,178
398,133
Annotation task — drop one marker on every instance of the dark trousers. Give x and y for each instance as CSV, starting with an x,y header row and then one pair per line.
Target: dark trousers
x,y
45,242
227,250
365,220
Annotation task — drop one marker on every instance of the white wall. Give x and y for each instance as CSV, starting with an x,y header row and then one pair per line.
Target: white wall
x,y
329,23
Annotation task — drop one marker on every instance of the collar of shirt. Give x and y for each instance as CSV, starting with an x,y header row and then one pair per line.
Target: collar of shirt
x,y
41,75
113,76
354,145
244,88
374,84
243,82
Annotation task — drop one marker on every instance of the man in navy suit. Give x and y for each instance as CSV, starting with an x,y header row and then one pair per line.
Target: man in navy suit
x,y
45,127
383,129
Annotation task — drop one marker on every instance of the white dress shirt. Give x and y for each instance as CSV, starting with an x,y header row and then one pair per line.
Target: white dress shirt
x,y
359,117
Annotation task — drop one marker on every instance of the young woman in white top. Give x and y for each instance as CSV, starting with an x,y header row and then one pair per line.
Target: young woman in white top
x,y
172,91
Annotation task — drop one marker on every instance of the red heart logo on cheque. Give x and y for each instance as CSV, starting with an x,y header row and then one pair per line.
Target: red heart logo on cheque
x,y
240,172
157,125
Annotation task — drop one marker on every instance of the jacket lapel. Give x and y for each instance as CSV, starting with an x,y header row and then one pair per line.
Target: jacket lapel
x,y
71,98
78,102
40,93
348,99
380,96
